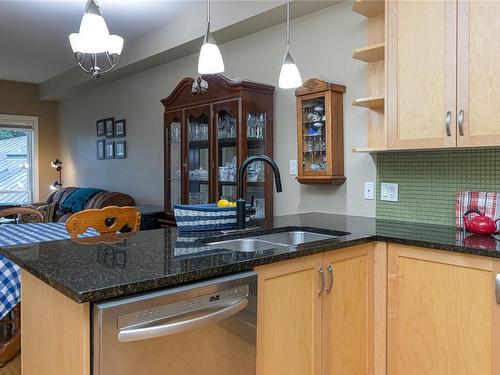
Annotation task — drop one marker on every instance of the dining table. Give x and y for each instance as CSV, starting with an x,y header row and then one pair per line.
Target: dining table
x,y
19,234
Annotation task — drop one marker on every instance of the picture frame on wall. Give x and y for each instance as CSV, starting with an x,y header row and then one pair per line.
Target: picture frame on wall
x,y
109,151
110,127
100,149
101,128
120,128
120,149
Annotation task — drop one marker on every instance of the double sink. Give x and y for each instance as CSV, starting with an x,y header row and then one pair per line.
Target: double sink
x,y
275,240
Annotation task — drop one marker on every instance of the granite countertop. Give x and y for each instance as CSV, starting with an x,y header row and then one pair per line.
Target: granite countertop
x,y
163,257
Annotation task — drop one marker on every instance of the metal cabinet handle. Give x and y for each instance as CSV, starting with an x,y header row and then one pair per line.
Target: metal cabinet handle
x,y
330,282
497,288
461,122
322,281
448,123
137,334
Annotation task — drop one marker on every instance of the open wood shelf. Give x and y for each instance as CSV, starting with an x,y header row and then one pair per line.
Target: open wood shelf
x,y
370,54
371,102
368,149
369,8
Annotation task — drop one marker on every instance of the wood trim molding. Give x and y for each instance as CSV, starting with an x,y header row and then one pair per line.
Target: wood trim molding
x,y
314,85
220,81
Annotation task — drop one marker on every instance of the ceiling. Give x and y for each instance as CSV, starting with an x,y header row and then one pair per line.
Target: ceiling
x,y
34,33
35,48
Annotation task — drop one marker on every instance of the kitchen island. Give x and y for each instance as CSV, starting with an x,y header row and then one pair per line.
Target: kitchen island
x,y
383,263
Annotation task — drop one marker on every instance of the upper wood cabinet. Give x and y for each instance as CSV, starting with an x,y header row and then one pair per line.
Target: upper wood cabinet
x,y
442,75
421,68
320,132
443,317
478,73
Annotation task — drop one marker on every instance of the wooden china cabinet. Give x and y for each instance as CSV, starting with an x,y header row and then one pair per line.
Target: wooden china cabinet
x,y
208,134
320,136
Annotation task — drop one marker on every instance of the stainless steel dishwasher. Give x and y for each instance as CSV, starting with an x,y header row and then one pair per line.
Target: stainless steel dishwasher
x,y
207,328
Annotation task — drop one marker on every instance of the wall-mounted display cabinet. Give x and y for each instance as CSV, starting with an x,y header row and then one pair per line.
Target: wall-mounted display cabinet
x,y
441,82
207,137
320,138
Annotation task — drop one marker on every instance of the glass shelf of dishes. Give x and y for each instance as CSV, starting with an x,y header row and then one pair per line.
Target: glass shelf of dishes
x,y
320,133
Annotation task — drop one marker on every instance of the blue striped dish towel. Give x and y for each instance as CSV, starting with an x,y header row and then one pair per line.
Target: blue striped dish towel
x,y
203,217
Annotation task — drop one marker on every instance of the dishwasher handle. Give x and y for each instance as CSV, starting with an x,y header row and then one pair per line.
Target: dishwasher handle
x,y
137,334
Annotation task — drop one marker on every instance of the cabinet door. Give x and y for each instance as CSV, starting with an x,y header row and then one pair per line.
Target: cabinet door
x,y
289,318
442,313
421,74
198,136
478,73
226,151
348,311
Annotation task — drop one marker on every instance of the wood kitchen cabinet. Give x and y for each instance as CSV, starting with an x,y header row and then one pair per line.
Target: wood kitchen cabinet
x,y
421,74
208,134
443,76
316,314
478,76
320,132
443,317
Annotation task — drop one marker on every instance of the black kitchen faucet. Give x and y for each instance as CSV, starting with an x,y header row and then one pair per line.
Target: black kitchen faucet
x,y
241,209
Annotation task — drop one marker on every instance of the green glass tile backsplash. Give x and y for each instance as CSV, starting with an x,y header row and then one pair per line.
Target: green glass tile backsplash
x,y
429,180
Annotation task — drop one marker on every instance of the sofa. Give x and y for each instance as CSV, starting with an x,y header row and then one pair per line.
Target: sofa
x,y
100,199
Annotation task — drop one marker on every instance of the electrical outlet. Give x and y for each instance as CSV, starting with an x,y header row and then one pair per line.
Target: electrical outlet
x,y
389,192
369,190
292,166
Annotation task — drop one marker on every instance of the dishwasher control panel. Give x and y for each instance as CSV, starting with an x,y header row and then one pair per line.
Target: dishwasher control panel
x,y
191,305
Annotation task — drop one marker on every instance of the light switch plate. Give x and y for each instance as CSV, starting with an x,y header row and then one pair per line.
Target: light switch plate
x,y
292,167
389,192
369,190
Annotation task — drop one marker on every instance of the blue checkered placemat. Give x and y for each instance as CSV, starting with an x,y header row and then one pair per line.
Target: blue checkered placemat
x,y
18,234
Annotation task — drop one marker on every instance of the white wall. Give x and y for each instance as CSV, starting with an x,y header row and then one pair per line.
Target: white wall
x,y
322,45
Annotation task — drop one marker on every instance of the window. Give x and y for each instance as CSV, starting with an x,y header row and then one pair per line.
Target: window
x,y
17,159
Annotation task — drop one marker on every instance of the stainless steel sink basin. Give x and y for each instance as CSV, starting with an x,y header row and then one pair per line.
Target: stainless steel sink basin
x,y
294,237
281,240
249,244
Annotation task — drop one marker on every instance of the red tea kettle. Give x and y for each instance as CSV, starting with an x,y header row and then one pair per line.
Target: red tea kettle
x,y
480,224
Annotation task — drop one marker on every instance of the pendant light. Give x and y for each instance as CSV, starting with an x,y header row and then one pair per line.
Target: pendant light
x,y
210,60
289,74
93,46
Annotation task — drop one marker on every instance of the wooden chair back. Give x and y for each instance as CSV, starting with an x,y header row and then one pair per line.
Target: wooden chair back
x,y
105,220
21,211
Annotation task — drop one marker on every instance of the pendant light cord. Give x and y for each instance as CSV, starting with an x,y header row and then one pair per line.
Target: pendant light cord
x,y
208,13
287,24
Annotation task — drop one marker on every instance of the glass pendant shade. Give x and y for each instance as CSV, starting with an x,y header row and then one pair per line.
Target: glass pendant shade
x,y
289,74
94,37
210,60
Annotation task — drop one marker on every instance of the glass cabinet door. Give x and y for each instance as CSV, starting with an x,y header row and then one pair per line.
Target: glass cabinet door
x,y
198,153
226,115
174,170
314,137
255,145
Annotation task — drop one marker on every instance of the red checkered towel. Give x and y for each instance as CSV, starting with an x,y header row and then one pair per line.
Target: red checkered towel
x,y
487,202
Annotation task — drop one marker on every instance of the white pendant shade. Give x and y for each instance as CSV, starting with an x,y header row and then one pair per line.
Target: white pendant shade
x,y
289,74
210,60
94,37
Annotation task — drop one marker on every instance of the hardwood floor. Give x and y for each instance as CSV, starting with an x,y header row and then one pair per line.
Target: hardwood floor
x,y
13,367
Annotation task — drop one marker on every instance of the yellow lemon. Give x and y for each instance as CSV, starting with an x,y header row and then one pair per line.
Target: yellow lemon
x,y
223,203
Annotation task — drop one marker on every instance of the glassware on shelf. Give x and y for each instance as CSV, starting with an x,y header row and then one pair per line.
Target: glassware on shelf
x,y
198,131
256,122
260,208
175,132
226,128
227,172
